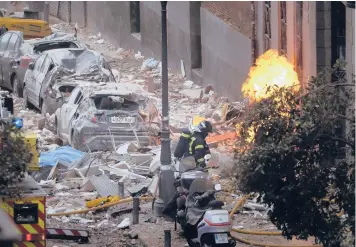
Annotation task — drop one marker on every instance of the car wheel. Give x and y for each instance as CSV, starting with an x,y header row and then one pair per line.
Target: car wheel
x,y
16,87
25,98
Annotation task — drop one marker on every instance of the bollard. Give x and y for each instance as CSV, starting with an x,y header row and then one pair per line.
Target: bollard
x,y
135,210
167,238
121,190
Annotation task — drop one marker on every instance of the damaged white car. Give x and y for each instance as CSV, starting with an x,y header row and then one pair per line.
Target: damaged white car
x,y
102,116
56,73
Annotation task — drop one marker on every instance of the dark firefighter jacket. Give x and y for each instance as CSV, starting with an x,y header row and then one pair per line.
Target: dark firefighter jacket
x,y
192,145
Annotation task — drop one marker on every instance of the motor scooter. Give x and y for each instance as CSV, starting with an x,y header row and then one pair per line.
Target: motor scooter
x,y
194,207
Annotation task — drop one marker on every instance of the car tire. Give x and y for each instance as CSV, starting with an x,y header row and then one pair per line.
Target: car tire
x,y
18,92
25,98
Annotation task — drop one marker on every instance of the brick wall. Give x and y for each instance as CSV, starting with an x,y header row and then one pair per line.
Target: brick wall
x,y
238,15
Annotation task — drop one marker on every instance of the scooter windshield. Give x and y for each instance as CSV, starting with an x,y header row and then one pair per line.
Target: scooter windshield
x,y
201,185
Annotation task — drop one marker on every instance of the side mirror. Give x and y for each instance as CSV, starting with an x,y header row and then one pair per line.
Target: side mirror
x,y
31,66
217,187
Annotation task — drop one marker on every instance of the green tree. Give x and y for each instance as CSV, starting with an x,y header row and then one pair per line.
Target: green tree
x,y
14,157
301,160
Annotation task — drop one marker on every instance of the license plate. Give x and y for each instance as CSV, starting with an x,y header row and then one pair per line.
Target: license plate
x,y
122,120
221,238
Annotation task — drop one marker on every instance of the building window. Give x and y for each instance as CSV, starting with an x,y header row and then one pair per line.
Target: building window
x,y
283,34
338,30
267,25
135,17
299,37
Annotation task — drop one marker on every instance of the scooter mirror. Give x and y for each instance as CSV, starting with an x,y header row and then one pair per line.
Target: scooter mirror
x,y
217,187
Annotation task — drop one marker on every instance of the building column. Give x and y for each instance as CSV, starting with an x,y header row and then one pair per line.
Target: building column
x,y
275,24
309,41
291,32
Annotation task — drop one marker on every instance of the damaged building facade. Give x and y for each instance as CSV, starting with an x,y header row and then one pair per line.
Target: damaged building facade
x,y
217,42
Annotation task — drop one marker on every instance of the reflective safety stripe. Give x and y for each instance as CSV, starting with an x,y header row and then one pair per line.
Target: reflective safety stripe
x,y
191,145
185,135
199,147
200,160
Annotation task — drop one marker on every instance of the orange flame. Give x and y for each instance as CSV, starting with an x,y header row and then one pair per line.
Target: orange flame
x,y
271,69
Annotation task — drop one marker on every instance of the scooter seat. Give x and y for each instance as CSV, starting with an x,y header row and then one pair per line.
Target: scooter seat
x,y
215,204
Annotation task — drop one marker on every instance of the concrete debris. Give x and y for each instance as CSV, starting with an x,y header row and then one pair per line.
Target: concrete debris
x,y
133,234
102,184
100,41
124,224
138,56
188,84
255,206
195,94
140,188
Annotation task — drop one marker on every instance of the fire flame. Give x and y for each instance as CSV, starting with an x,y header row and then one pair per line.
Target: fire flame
x,y
271,69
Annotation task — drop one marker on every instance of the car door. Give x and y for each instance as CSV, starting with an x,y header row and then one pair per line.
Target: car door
x,y
69,109
3,45
31,79
41,74
9,54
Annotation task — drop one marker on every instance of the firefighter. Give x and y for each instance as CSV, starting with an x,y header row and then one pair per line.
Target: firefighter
x,y
192,143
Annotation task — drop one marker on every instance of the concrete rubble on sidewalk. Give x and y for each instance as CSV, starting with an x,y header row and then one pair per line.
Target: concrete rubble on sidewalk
x,y
83,177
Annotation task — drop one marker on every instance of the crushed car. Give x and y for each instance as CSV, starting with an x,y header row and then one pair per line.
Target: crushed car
x,y
102,116
16,54
53,76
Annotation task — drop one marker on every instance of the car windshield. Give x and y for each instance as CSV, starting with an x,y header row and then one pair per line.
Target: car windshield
x,y
114,102
54,45
79,61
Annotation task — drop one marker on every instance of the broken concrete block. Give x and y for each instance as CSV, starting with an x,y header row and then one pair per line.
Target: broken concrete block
x,y
41,123
194,94
124,224
188,84
139,189
102,184
133,234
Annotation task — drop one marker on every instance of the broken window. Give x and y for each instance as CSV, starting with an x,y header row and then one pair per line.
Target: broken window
x,y
283,30
52,46
114,103
267,25
299,37
135,16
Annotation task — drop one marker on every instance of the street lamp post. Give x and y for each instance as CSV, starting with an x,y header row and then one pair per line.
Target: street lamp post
x,y
166,188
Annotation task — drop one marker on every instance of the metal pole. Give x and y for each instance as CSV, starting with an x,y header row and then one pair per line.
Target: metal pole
x,y
121,190
166,180
135,210
46,12
167,238
165,135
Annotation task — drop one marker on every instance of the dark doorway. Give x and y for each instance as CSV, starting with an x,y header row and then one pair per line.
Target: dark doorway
x,y
135,17
195,35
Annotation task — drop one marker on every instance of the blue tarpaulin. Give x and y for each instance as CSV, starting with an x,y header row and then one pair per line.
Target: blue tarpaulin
x,y
66,153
